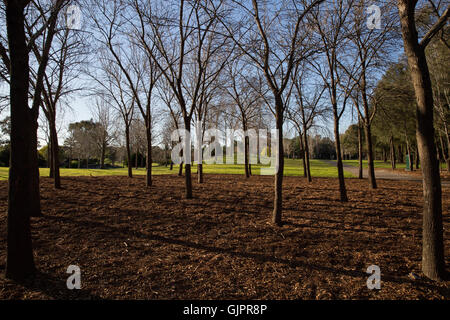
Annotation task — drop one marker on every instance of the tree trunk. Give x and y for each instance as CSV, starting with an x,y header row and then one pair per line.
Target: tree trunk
x,y
340,167
360,149
55,154
102,157
127,142
417,158
149,159
23,191
445,154
187,165
391,141
306,146
136,159
258,151
50,158
199,172
408,151
246,145
448,147
278,200
180,170
302,150
400,154
433,264
371,168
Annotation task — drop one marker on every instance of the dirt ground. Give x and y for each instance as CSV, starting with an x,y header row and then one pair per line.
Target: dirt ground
x,y
133,243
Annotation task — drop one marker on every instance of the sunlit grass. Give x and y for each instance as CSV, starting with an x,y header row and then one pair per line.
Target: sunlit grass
x,y
291,168
384,165
378,164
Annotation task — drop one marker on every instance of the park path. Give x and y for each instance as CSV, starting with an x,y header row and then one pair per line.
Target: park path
x,y
383,173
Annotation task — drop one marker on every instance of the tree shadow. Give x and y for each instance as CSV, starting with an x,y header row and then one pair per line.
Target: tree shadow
x,y
256,256
55,288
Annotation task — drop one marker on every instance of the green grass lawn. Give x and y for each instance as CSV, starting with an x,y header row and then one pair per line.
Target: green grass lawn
x,y
383,165
291,168
378,164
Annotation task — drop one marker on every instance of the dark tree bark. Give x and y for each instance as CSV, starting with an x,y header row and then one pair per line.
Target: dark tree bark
x,y
445,154
200,157
392,148
360,149
136,159
200,173
102,156
187,165
278,200
55,156
417,158
306,151
246,149
180,170
50,158
127,142
448,148
433,263
149,159
371,167
302,153
23,192
258,156
339,164
409,154
400,154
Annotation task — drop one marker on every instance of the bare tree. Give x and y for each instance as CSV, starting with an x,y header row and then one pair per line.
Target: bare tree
x,y
306,110
175,114
114,88
433,263
437,54
135,61
329,25
23,195
272,40
67,53
366,51
182,35
245,99
105,131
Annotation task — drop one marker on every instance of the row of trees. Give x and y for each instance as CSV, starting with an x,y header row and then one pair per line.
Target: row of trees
x,y
299,61
101,141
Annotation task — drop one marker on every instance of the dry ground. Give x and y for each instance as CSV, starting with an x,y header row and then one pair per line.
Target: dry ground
x,y
135,243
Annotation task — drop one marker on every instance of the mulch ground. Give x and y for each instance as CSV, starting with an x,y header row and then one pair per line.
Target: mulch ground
x,y
131,242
